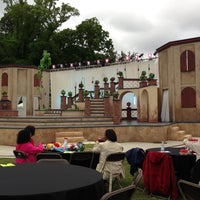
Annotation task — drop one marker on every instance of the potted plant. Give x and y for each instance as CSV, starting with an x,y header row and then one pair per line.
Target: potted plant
x,y
69,94
115,95
112,79
81,85
105,79
63,92
85,93
106,93
143,79
151,80
120,73
4,93
96,82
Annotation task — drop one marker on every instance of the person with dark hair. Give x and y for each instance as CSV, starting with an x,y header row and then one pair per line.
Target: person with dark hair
x,y
106,146
25,144
31,129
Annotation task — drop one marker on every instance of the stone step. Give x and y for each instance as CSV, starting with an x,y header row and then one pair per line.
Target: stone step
x,y
97,119
51,119
176,133
96,109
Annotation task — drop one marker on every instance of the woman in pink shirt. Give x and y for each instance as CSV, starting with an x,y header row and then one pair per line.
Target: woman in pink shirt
x,y
24,143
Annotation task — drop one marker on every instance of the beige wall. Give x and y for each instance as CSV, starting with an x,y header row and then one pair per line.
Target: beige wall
x,y
137,133
171,78
21,82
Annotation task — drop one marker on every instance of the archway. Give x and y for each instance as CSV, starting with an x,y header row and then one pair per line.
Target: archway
x,y
129,97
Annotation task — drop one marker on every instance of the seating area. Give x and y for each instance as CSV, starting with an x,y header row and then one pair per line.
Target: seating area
x,y
86,159
137,178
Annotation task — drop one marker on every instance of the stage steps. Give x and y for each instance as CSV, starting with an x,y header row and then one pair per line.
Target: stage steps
x,y
55,121
97,107
175,133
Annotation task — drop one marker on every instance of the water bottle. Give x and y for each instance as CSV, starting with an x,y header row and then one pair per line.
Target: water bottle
x,y
162,148
65,143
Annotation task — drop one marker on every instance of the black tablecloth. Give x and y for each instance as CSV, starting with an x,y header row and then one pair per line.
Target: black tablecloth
x,y
50,181
182,163
67,156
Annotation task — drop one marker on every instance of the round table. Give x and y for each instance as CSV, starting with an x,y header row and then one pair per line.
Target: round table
x,y
182,163
50,181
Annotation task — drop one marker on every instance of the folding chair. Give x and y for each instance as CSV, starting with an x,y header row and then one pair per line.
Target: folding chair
x,y
137,178
159,175
48,156
82,158
125,193
20,154
135,158
189,190
114,157
53,160
95,160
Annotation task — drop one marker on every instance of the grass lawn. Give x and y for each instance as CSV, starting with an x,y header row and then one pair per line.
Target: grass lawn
x,y
140,194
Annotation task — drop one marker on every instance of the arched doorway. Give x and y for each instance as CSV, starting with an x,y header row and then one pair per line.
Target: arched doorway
x,y
129,97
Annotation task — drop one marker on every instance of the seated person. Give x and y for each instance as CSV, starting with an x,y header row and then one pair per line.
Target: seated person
x,y
195,172
106,146
24,143
194,146
31,130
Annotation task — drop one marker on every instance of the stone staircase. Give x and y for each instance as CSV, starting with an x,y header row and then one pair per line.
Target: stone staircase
x,y
55,121
175,133
97,107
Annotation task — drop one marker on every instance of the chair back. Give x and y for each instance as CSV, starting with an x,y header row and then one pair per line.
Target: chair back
x,y
53,160
83,158
20,154
95,160
159,174
135,158
189,190
120,194
48,156
114,157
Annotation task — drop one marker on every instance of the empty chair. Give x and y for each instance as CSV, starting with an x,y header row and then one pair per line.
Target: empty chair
x,y
53,160
189,190
125,193
84,159
109,162
48,156
20,154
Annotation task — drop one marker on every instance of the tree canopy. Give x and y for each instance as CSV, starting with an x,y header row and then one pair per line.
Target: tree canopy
x,y
26,30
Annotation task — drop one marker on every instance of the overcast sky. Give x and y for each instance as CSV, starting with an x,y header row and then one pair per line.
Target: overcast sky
x,y
140,26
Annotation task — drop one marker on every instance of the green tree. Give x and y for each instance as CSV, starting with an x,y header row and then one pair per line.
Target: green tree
x,y
45,62
94,40
28,29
